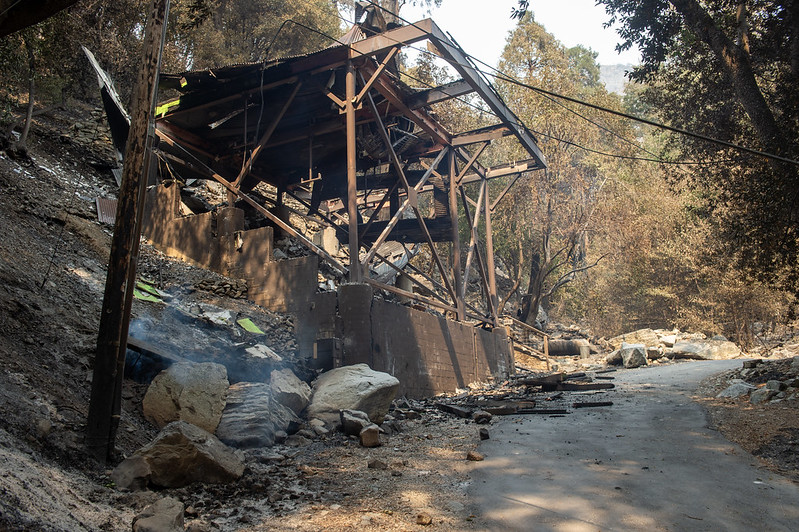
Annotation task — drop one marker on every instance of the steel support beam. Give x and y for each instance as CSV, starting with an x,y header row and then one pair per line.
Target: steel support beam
x,y
461,63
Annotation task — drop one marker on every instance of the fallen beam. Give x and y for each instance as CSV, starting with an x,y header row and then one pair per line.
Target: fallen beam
x,y
577,387
592,404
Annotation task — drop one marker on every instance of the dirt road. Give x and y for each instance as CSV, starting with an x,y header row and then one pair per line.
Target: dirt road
x,y
647,463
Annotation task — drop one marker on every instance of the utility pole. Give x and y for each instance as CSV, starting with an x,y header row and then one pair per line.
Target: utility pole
x,y
109,362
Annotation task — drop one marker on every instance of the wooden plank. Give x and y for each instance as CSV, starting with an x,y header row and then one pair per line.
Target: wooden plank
x,y
577,387
459,411
592,404
543,411
555,378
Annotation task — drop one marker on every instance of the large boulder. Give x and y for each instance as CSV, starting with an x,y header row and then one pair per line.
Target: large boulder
x,y
253,417
648,337
356,387
633,355
289,390
190,392
705,349
182,454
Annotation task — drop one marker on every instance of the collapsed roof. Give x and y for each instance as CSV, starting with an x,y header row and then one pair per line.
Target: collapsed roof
x,y
338,129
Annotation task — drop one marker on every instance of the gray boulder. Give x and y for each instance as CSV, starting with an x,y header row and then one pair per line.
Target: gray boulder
x,y
777,386
633,355
254,418
736,389
706,349
761,395
289,390
648,337
165,515
194,393
355,387
182,454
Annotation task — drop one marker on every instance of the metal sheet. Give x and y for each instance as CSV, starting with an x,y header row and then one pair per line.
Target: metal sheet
x,y
106,210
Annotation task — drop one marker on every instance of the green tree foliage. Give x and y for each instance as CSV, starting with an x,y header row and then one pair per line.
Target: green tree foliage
x,y
219,32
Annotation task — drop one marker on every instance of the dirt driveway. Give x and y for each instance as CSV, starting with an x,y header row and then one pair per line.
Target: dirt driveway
x,y
647,463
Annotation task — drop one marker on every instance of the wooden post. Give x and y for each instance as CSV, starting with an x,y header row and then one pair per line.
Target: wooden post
x,y
352,185
114,320
492,279
456,241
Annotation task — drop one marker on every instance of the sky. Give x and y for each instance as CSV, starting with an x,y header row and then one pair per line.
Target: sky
x,y
481,26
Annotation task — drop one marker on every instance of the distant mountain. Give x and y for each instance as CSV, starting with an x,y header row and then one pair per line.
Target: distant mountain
x,y
613,77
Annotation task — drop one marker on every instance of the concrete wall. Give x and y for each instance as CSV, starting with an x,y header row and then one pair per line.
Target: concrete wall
x,y
216,241
427,353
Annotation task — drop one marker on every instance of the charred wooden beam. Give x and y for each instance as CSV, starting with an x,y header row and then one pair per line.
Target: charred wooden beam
x,y
439,94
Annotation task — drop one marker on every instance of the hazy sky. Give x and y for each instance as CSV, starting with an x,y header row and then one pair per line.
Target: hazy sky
x,y
481,26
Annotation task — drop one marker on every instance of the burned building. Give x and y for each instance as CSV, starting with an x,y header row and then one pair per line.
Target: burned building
x,y
338,138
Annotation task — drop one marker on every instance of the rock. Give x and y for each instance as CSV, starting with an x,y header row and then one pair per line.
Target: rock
x,y
132,474
370,436
654,352
424,519
706,349
481,417
297,440
668,340
633,355
614,358
355,387
263,352
253,418
377,464
289,390
761,395
353,422
777,386
194,393
182,454
647,337
736,390
474,456
165,515
484,434
318,426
